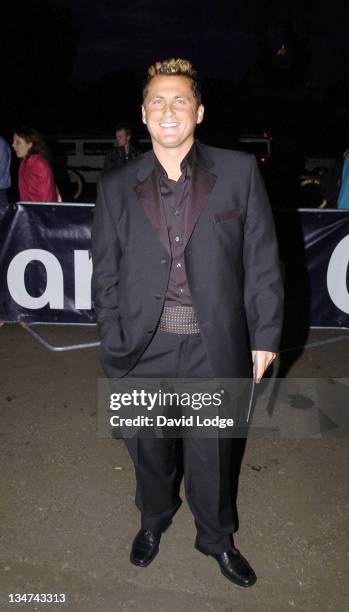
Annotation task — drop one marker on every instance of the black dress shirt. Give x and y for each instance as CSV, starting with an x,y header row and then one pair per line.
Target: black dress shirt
x,y
175,198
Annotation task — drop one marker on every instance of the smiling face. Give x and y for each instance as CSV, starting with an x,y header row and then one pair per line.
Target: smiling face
x,y
171,113
20,146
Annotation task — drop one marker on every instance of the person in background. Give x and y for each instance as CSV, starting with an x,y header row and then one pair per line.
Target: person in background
x,y
343,196
5,176
334,184
35,177
123,150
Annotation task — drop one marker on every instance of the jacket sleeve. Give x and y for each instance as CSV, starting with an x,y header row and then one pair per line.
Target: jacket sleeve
x,y
41,185
263,291
106,255
108,160
5,161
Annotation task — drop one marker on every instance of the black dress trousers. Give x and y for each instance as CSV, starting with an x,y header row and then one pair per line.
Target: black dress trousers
x,y
206,462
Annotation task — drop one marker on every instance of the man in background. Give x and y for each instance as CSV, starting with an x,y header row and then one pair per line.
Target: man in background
x,y
123,150
5,176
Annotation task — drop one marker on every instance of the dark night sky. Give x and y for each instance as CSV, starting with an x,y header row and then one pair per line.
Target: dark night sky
x,y
220,37
61,50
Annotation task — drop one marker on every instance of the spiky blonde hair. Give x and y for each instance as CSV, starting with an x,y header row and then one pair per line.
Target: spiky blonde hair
x,y
174,67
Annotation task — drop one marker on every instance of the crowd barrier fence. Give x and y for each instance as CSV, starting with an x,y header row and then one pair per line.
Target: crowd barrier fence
x,y
46,267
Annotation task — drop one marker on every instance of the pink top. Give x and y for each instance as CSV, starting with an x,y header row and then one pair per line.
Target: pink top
x,y
35,180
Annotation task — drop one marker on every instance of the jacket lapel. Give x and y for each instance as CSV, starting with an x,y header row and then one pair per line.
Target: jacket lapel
x,y
148,195
202,183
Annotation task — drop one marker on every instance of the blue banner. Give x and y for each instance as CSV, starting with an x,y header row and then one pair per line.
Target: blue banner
x,y
46,266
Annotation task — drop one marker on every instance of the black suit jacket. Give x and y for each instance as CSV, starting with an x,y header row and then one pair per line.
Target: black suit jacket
x,y
231,261
116,157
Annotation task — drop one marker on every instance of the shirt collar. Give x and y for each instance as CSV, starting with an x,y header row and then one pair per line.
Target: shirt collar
x,y
186,166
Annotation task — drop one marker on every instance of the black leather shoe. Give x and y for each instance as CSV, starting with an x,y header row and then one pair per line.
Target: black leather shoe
x,y
233,566
145,547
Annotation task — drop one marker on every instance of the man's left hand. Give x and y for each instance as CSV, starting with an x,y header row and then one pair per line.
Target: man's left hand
x,y
263,359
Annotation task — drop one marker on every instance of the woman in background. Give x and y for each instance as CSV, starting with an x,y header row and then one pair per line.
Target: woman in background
x,y
35,177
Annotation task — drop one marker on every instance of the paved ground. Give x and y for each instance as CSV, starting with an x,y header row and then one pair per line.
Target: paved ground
x,y
68,518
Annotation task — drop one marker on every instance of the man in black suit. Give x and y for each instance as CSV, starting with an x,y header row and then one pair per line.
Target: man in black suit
x,y
123,150
187,285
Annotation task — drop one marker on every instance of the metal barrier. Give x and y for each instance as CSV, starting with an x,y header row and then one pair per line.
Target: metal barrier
x,y
59,349
21,235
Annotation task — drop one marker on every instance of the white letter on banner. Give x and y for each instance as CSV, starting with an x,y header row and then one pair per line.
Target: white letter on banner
x,y
54,292
82,274
337,275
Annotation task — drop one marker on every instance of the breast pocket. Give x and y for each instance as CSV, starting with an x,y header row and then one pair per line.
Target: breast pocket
x,y
228,228
226,215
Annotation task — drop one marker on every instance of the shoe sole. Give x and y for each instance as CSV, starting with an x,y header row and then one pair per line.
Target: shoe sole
x,y
227,576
